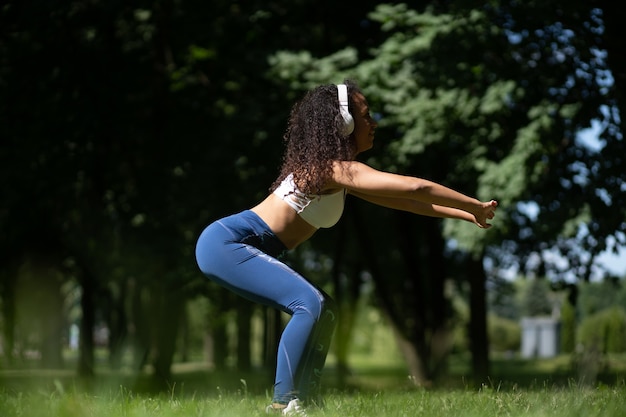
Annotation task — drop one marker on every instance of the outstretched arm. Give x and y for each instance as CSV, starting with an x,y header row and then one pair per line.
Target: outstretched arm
x,y
425,209
412,194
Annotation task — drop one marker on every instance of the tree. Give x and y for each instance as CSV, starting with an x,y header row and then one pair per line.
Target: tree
x,y
535,299
491,100
134,126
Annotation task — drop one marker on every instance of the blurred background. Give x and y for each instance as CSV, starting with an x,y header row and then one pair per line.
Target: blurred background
x,y
127,127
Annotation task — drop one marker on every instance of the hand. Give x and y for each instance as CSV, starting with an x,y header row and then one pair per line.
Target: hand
x,y
486,211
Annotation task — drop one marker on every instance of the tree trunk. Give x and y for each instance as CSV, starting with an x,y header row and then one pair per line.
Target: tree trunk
x,y
7,296
347,304
346,294
51,319
244,316
479,344
170,304
273,329
139,330
184,334
87,324
217,323
424,342
208,347
118,325
412,338
438,310
410,291
416,363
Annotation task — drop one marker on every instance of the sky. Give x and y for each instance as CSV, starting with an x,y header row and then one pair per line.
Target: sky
x,y
615,263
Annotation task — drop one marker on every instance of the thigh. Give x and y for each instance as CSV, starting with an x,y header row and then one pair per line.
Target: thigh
x,y
251,273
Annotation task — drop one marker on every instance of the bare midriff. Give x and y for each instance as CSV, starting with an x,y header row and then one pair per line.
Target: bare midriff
x,y
283,220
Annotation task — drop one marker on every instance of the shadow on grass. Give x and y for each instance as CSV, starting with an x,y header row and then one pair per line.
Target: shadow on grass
x,y
196,380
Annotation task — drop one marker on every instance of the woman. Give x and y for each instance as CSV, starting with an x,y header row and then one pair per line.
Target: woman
x,y
327,129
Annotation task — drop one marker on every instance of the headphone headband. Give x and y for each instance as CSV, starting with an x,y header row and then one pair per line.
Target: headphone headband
x,y
342,94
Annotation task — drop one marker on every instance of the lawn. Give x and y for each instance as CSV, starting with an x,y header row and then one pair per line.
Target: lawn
x,y
485,402
517,388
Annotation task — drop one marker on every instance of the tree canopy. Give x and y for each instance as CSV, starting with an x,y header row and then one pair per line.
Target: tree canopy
x,y
125,129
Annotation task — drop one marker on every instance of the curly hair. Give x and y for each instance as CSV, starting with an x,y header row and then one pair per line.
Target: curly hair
x,y
314,139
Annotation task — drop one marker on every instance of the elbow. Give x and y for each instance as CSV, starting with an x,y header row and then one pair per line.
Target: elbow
x,y
420,187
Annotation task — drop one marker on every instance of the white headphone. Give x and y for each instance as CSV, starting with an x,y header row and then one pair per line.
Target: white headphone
x,y
342,92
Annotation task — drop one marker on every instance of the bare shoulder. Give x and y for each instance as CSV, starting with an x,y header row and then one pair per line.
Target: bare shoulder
x,y
346,173
343,170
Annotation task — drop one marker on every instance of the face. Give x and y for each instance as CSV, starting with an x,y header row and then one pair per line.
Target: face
x,y
364,125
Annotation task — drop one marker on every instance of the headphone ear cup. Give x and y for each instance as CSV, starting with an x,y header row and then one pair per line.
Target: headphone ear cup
x,y
348,120
342,92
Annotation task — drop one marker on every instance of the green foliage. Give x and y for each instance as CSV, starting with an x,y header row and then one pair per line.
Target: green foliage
x,y
616,330
568,327
134,126
196,324
604,331
504,334
502,298
597,296
535,299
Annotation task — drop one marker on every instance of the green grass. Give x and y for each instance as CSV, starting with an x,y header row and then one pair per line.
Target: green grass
x,y
518,388
486,402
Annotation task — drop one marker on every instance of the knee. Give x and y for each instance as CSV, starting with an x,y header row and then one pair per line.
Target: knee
x,y
318,305
329,309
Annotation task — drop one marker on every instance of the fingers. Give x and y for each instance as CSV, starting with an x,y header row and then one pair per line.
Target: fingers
x,y
489,213
492,213
491,204
484,225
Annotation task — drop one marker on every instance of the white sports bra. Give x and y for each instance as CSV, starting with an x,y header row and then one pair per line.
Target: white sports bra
x,y
319,210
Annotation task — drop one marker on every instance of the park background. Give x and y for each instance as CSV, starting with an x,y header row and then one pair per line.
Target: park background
x,y
126,128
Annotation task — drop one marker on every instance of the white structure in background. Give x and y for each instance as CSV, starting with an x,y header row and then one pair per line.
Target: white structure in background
x,y
540,337
74,335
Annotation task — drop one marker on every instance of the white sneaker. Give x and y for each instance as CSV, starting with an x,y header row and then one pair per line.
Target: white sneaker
x,y
294,408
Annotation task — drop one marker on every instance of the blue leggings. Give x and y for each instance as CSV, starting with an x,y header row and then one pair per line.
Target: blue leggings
x,y
240,253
